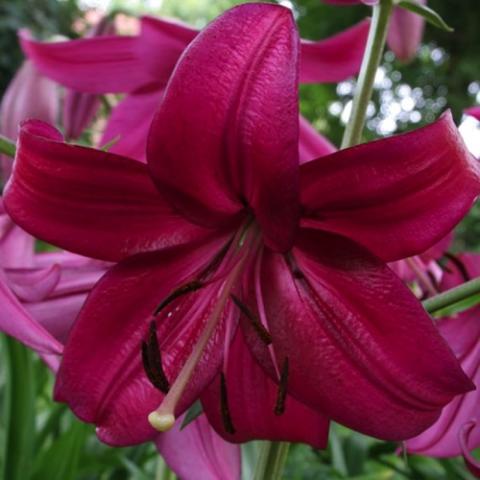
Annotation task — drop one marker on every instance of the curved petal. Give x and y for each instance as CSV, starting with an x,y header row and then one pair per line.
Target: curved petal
x,y
79,110
129,123
15,321
18,104
251,402
336,58
397,196
472,463
405,32
361,348
226,133
111,388
34,285
196,452
312,144
162,42
88,201
105,64
16,245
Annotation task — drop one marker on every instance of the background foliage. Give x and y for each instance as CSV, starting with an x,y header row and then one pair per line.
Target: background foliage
x,y
40,440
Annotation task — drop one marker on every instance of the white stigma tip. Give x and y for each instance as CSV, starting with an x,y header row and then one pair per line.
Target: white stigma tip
x,y
160,422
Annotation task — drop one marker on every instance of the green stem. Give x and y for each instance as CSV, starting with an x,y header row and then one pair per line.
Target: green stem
x,y
272,461
371,61
7,147
452,296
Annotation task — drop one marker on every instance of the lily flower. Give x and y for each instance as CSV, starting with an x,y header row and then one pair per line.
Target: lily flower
x,y
140,66
18,104
231,253
405,30
79,108
457,430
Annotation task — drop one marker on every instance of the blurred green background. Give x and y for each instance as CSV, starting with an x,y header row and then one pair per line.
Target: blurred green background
x,y
40,440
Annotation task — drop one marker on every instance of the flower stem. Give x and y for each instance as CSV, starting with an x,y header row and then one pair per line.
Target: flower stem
x,y
373,54
7,147
272,461
452,296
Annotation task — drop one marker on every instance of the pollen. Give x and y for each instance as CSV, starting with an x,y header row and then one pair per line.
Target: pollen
x,y
161,422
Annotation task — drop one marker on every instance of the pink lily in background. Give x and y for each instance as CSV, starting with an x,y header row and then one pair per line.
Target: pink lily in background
x,y
228,249
457,430
140,66
18,104
405,31
79,109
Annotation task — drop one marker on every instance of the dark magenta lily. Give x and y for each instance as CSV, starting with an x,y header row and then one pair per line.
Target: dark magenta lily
x,y
231,254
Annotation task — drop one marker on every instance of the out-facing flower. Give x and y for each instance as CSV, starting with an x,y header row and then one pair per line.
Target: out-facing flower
x,y
457,430
18,104
405,30
141,66
230,254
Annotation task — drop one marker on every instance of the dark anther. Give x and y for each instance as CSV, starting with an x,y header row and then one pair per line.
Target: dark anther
x,y
262,332
152,361
225,411
282,389
462,269
182,290
432,278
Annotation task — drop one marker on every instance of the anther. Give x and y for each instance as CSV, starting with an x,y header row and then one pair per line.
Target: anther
x,y
462,269
282,389
178,292
262,332
152,361
225,411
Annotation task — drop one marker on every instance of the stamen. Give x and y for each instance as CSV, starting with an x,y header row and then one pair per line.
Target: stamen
x,y
225,411
282,390
152,361
462,269
163,418
178,292
262,332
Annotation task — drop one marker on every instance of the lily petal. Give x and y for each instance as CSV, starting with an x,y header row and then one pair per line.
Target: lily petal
x,y
111,388
335,58
472,463
197,452
109,214
397,196
15,321
251,401
248,140
312,144
367,327
105,64
130,121
474,112
16,245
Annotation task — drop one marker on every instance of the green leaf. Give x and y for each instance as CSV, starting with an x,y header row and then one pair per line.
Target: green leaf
x,y
193,413
18,414
427,13
61,460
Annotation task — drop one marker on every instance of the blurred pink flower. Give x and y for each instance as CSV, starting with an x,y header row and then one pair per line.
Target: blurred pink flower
x,y
405,31
462,332
29,95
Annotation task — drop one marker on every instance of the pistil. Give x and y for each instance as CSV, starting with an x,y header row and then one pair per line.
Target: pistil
x,y
163,418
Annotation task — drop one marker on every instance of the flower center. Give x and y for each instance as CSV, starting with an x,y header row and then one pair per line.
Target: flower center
x,y
244,246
